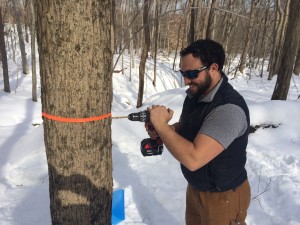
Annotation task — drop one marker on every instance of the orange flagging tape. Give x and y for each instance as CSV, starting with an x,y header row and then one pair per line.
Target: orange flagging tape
x,y
75,120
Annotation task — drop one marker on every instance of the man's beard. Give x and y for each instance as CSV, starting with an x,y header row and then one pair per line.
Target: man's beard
x,y
203,87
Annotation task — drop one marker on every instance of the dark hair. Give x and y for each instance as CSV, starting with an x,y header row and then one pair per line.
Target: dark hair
x,y
208,51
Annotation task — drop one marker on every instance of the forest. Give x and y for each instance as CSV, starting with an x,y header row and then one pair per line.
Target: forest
x,y
77,48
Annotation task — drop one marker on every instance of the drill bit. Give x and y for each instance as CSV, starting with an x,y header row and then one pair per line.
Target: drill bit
x,y
119,117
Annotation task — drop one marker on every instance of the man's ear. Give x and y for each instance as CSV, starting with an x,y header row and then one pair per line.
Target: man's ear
x,y
214,66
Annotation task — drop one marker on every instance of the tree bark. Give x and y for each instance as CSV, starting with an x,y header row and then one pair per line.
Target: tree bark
x,y
3,54
297,62
288,52
144,55
75,53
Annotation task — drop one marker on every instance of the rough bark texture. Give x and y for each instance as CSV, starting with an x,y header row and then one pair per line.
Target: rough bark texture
x,y
297,62
288,53
75,53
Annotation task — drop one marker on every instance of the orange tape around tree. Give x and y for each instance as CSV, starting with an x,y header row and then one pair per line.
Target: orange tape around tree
x,y
75,120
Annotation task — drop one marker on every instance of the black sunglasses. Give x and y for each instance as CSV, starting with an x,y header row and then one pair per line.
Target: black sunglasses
x,y
192,74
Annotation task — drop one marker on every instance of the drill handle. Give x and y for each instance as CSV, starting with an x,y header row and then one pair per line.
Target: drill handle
x,y
151,131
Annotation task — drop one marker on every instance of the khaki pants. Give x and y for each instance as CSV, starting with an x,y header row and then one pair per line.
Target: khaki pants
x,y
217,208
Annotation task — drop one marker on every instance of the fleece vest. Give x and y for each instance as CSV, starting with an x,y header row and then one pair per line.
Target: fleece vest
x,y
227,170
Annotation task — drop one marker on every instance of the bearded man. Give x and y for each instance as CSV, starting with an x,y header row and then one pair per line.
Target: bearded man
x,y
210,138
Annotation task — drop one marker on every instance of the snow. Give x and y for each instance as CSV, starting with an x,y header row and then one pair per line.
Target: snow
x,y
154,186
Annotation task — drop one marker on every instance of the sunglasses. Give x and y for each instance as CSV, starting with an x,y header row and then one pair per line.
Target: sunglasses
x,y
192,74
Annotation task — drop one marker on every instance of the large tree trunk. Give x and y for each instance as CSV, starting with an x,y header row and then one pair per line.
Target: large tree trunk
x,y
74,39
3,54
288,53
144,55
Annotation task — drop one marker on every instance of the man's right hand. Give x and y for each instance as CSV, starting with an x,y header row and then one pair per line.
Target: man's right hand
x,y
151,131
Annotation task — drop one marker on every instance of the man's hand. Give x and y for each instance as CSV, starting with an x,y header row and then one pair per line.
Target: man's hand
x,y
160,115
151,131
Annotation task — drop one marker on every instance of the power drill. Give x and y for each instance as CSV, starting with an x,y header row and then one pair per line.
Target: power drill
x,y
149,146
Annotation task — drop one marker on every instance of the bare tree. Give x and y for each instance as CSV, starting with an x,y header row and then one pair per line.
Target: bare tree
x,y
3,55
144,55
211,20
248,34
21,38
156,32
280,24
33,58
75,52
288,52
191,34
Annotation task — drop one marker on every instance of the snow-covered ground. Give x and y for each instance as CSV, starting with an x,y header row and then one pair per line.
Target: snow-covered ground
x,y
154,186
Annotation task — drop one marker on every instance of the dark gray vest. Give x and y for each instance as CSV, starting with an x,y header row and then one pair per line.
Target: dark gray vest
x,y
227,170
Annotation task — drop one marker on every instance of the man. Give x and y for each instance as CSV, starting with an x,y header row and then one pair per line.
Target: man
x,y
210,138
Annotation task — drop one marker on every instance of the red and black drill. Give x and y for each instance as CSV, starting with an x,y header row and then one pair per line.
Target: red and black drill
x,y
149,146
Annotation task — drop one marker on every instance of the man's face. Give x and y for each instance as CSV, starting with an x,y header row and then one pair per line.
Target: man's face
x,y
202,83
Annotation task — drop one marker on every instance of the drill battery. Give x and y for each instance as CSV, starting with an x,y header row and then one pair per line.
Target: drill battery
x,y
150,147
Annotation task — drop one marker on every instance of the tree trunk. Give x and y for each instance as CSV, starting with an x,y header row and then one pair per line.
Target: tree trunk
x,y
191,35
144,55
297,62
288,52
3,54
21,39
211,20
75,51
156,30
249,32
279,32
205,20
33,58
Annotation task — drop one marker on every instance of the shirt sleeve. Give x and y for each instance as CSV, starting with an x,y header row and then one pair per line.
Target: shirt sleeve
x,y
225,123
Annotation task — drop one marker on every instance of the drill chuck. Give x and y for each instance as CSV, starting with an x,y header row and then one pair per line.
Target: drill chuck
x,y
142,116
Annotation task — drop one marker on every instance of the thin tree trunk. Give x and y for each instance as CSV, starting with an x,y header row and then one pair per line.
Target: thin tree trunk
x,y
21,39
75,52
144,55
211,20
289,52
191,35
156,29
249,32
206,18
4,55
278,37
33,58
